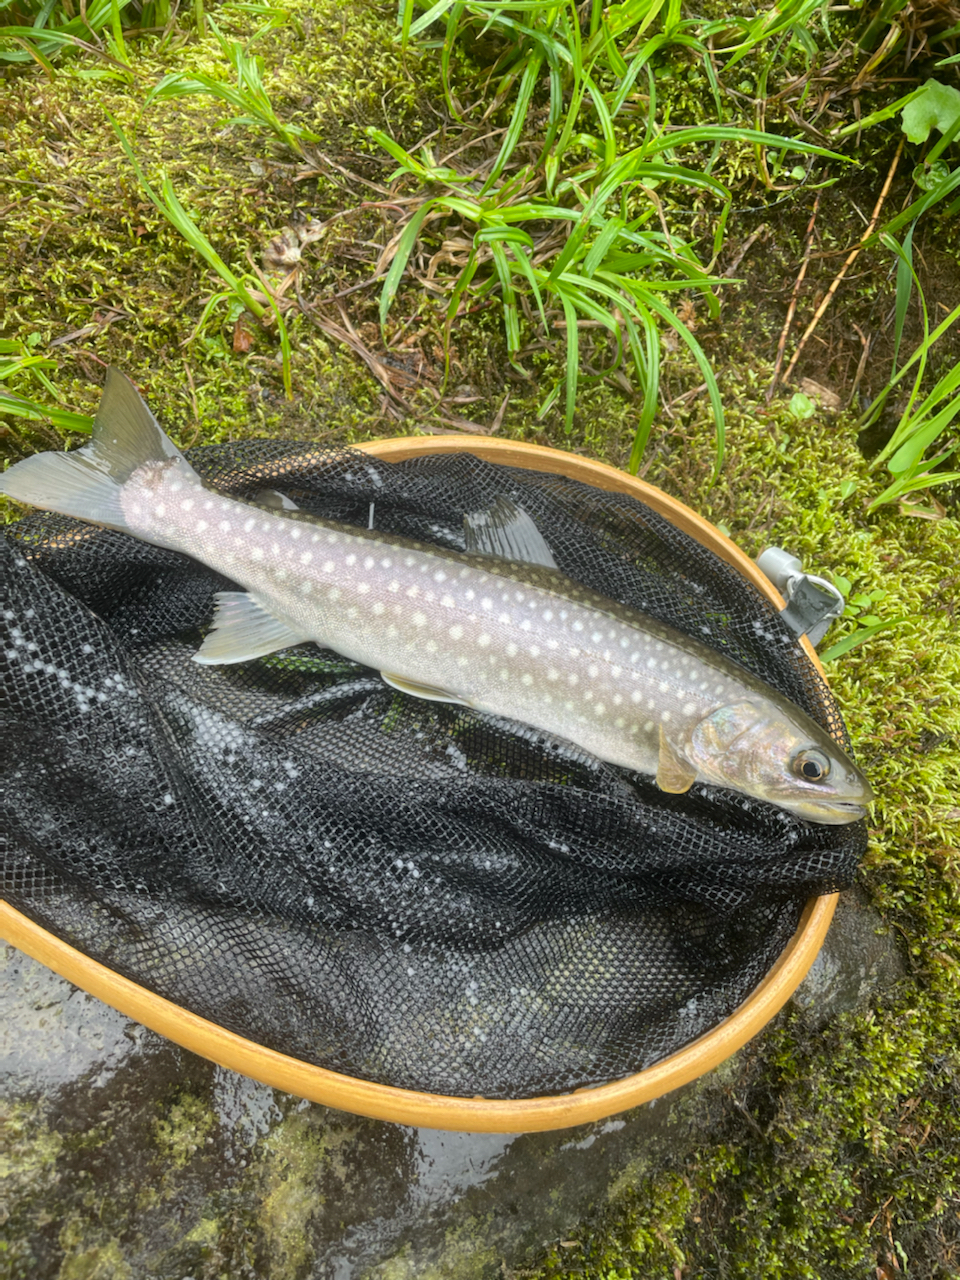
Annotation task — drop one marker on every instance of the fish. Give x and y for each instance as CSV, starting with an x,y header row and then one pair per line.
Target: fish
x,y
497,627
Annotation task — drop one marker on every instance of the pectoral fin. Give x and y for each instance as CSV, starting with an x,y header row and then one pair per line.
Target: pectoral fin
x,y
674,774
427,691
243,629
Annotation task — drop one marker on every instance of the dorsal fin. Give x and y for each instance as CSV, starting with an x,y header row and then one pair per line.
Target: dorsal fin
x,y
506,530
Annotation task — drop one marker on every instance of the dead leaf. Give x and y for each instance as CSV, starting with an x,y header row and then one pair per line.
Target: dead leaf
x,y
282,251
826,398
936,510
242,337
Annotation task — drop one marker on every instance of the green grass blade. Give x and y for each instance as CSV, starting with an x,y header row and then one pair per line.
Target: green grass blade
x,y
528,83
511,317
909,454
573,361
857,638
171,208
400,259
904,290
64,419
286,354
713,391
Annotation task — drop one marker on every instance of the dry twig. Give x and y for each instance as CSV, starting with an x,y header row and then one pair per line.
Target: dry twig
x,y
791,309
851,259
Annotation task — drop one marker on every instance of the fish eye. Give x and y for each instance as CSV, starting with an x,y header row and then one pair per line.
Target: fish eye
x,y
812,765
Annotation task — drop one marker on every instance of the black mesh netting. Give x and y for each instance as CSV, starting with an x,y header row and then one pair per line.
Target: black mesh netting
x,y
400,890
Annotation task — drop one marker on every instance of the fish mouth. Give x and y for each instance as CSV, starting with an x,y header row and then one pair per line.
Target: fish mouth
x,y
832,813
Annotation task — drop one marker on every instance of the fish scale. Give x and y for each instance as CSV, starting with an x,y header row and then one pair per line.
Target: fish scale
x,y
512,638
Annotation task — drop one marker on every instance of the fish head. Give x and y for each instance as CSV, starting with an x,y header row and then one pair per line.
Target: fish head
x,y
782,757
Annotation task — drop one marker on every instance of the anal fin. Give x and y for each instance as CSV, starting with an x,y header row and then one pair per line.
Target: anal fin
x,y
243,629
427,691
674,774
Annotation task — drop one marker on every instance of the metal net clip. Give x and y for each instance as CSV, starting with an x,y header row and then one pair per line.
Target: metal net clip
x,y
812,602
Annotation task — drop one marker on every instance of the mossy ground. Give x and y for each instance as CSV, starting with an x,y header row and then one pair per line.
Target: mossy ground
x,y
843,1155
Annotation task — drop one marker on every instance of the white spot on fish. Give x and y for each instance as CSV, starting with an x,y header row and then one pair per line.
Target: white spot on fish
x,y
334,593
186,504
363,588
665,716
419,619
511,650
553,674
351,559
393,586
327,567
307,557
526,678
483,639
379,607
447,602
455,633
224,526
486,603
689,708
256,553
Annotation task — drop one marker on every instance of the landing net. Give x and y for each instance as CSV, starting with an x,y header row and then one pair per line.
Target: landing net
x,y
407,892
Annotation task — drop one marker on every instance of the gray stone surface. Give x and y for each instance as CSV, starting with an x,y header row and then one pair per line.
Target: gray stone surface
x,y
125,1156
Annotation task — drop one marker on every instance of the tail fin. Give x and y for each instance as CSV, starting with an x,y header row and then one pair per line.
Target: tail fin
x,y
86,483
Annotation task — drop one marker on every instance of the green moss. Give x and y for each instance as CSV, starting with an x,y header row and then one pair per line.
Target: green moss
x,y
183,1130
103,1262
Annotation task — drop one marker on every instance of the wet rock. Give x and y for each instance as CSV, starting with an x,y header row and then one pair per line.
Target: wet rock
x,y
858,957
127,1156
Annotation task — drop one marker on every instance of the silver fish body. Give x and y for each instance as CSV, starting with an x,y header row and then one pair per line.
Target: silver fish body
x,y
509,637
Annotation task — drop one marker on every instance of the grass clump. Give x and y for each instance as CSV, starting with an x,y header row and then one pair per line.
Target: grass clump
x,y
570,231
